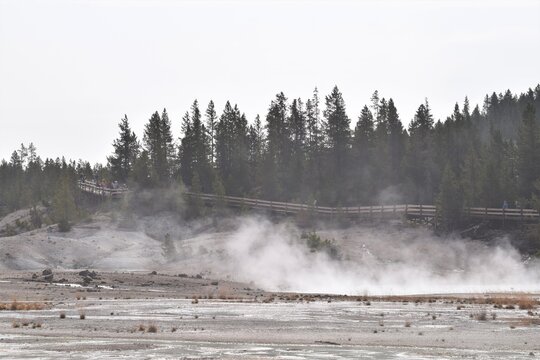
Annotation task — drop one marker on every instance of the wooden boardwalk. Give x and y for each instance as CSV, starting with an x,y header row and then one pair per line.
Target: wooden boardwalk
x,y
102,191
368,212
377,211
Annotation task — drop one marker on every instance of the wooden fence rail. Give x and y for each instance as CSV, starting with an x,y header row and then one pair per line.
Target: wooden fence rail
x,y
96,189
380,211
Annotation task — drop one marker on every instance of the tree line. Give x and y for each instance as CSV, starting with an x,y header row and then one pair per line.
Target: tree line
x,y
311,151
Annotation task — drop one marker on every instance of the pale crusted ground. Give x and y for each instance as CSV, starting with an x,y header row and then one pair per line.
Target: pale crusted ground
x,y
232,320
198,313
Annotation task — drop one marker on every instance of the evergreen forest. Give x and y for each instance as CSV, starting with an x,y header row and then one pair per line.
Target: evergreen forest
x,y
311,151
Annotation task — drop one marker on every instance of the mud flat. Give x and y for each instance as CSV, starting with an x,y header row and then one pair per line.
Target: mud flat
x,y
175,316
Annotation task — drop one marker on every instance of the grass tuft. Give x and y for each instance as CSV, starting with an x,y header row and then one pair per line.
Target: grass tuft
x,y
152,329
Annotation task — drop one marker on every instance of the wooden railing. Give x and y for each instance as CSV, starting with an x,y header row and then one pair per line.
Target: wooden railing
x,y
96,189
376,211
410,210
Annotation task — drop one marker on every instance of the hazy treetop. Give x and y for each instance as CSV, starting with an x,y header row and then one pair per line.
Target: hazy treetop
x,y
69,70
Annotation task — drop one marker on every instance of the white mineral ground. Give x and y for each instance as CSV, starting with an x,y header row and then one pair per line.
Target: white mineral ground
x,y
248,304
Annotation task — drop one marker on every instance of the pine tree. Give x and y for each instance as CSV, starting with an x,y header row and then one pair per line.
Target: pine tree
x,y
278,148
363,151
339,139
195,149
186,153
158,142
211,123
471,179
256,153
528,152
396,143
168,157
297,164
126,149
142,170
201,149
64,208
419,161
364,135
195,203
314,147
449,201
232,151
375,104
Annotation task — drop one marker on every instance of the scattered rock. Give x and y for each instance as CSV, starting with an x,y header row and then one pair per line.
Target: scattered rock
x,y
89,274
47,275
153,273
326,342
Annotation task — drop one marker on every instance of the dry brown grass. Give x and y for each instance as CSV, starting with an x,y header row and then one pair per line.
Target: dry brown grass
x,y
510,302
502,301
523,322
36,325
22,306
227,294
528,322
526,302
152,329
481,316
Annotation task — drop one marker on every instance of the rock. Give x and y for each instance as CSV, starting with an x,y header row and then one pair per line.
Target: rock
x,y
34,276
87,280
326,342
47,275
153,273
88,273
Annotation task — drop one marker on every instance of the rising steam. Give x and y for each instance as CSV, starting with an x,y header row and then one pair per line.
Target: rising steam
x,y
374,261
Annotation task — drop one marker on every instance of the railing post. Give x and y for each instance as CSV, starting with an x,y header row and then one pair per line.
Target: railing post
x,y
421,215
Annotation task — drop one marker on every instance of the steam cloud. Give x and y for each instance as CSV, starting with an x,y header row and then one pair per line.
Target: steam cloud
x,y
374,261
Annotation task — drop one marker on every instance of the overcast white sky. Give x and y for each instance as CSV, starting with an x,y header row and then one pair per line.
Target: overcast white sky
x,y
69,70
